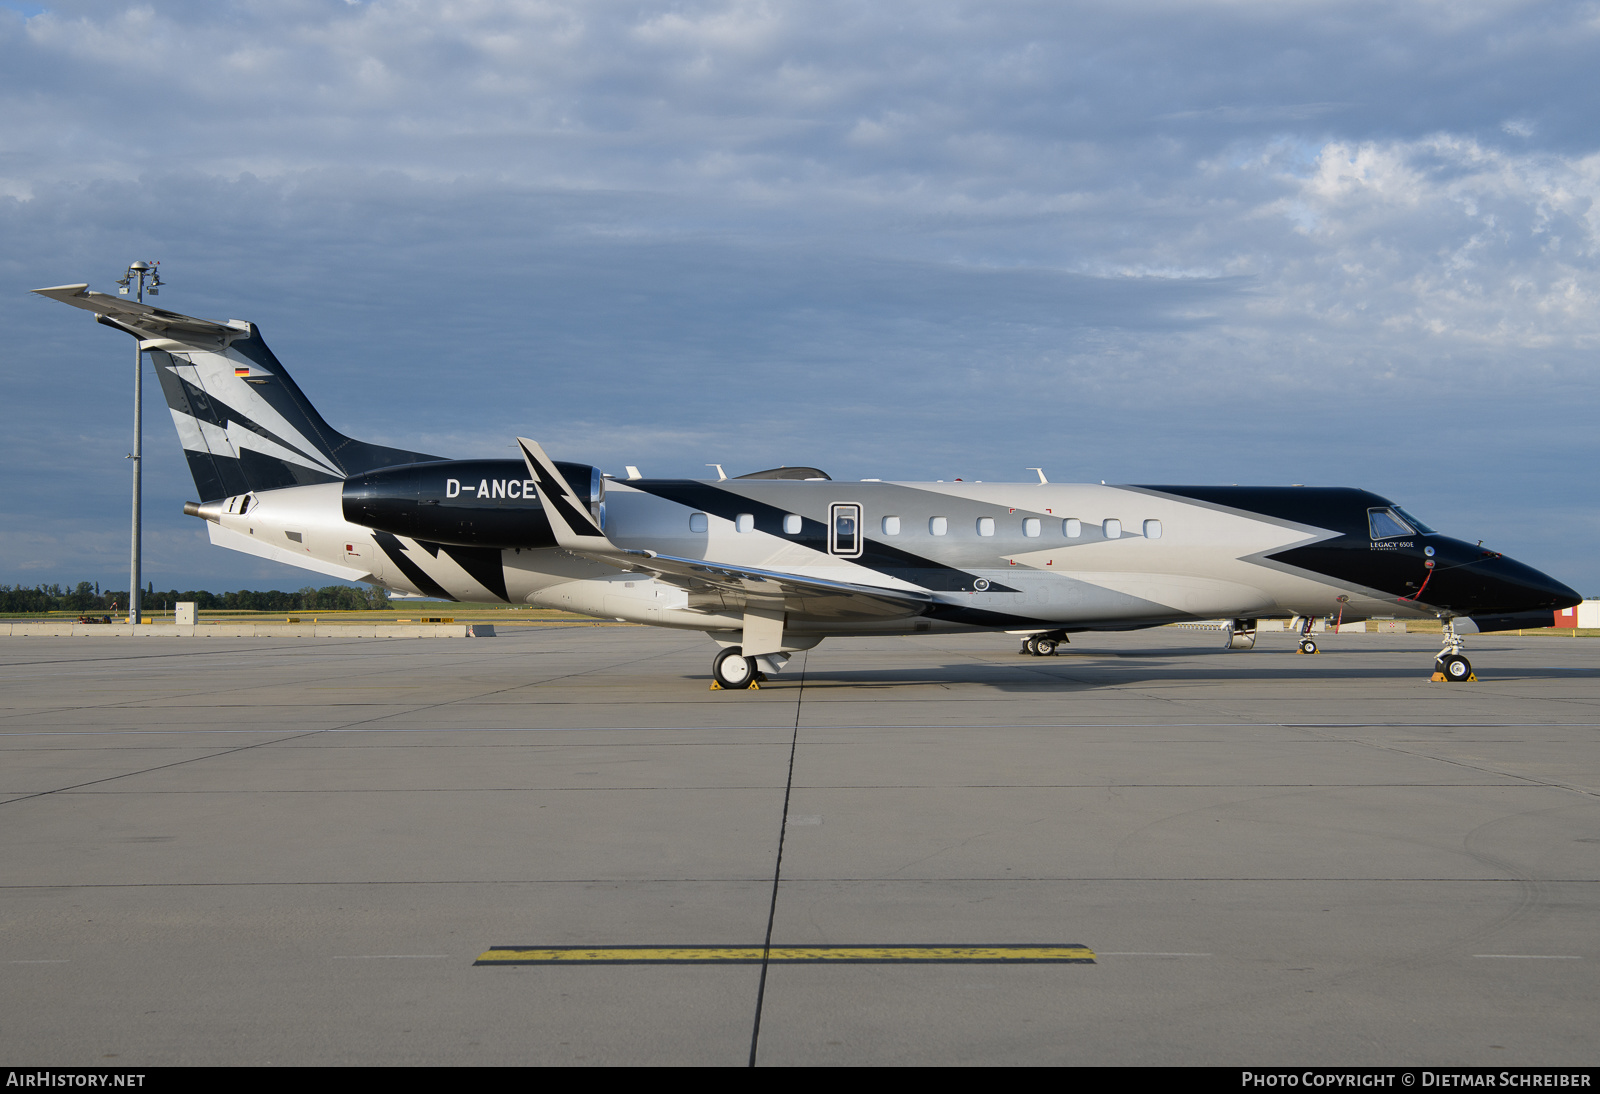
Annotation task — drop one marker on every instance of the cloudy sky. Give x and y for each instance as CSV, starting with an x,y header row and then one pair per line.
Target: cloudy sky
x,y
1260,242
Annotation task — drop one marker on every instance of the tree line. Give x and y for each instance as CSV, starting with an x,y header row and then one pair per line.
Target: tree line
x,y
87,596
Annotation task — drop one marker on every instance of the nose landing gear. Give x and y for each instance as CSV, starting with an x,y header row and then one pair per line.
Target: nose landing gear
x,y
1450,666
1307,643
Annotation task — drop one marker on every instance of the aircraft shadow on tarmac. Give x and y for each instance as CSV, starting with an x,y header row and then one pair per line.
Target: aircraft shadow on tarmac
x,y
1097,671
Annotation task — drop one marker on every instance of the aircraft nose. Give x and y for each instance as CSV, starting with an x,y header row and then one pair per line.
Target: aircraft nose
x,y
1521,588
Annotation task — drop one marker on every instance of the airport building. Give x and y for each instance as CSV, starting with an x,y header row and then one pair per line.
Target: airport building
x,y
1585,614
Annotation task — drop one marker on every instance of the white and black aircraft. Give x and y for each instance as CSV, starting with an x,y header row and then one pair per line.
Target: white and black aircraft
x,y
774,562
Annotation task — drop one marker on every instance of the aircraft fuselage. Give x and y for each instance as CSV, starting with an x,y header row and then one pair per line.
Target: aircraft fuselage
x,y
990,556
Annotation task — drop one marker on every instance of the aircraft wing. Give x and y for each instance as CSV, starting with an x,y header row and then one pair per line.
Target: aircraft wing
x,y
577,531
134,316
800,593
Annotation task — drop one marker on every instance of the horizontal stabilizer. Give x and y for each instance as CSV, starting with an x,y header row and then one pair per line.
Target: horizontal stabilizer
x,y
244,423
142,318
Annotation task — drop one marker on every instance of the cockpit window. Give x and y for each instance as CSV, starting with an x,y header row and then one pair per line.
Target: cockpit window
x,y
1414,522
1386,524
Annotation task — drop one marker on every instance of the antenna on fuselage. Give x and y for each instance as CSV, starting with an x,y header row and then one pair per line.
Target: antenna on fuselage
x,y
1042,480
722,475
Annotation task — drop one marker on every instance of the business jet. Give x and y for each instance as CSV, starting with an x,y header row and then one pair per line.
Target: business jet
x,y
771,563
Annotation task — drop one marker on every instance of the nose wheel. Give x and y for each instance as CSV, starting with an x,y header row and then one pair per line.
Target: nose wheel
x,y
1451,666
1307,643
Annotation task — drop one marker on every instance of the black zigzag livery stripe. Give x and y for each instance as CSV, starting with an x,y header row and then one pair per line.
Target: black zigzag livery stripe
x,y
415,574
221,474
875,555
485,566
206,409
981,617
215,478
1337,509
558,496
284,395
482,564
1427,568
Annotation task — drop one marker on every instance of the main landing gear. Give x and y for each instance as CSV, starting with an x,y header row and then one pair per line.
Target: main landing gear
x,y
733,671
1450,665
1042,645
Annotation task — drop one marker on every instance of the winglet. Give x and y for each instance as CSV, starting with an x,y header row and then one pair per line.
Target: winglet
x,y
574,526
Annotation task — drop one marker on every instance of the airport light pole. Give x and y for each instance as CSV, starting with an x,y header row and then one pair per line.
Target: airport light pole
x,y
142,275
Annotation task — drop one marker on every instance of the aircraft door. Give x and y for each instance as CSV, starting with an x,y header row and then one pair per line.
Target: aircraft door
x,y
844,530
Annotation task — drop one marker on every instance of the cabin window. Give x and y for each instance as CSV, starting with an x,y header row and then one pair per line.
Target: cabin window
x,y
986,526
697,522
1112,528
844,529
1152,529
891,526
938,526
1031,527
1072,527
745,522
792,524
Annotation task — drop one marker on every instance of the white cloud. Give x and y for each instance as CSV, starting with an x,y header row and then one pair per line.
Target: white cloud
x,y
1185,223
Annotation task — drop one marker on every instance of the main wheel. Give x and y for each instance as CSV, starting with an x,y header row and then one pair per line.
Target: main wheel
x,y
1308,645
733,670
1455,667
1030,645
1044,647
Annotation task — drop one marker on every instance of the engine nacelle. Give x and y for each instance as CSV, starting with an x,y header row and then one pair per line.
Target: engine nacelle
x,y
470,503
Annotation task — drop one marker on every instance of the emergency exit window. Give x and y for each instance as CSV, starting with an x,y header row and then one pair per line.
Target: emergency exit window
x,y
844,530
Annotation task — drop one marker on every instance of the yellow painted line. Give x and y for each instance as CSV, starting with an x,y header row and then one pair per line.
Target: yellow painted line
x,y
755,955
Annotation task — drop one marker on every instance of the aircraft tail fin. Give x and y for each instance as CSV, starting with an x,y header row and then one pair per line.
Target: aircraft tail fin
x,y
244,423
